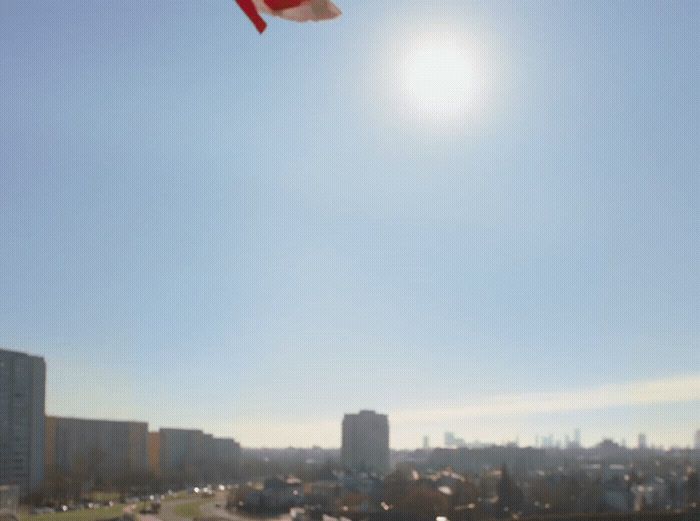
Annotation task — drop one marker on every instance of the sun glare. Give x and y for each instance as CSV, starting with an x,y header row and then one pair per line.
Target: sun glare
x,y
439,77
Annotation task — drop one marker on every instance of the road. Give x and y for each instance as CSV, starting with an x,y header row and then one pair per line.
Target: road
x,y
212,512
167,512
209,511
131,510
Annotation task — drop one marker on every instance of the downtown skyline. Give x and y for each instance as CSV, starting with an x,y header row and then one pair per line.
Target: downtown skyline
x,y
534,411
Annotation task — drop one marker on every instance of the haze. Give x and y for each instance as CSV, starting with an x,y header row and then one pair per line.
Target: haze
x,y
205,227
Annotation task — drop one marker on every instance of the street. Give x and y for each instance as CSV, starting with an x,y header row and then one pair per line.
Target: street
x,y
208,509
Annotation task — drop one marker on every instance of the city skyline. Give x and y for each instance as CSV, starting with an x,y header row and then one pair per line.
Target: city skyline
x,y
541,421
542,439
255,235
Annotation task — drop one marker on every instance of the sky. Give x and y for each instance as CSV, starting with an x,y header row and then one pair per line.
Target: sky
x,y
204,227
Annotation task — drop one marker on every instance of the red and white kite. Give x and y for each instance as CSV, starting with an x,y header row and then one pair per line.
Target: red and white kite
x,y
297,10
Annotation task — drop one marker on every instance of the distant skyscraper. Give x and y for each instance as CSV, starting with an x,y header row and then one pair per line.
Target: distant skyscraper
x,y
22,410
452,441
366,441
547,442
449,439
697,439
426,443
577,438
642,443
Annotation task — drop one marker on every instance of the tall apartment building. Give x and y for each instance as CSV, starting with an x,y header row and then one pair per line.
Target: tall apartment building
x,y
181,452
22,410
366,441
191,456
100,448
154,453
222,458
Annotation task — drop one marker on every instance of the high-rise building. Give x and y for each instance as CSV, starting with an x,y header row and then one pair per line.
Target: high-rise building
x,y
366,441
191,455
104,449
697,439
222,458
181,452
426,443
547,442
642,442
577,438
452,441
154,453
22,411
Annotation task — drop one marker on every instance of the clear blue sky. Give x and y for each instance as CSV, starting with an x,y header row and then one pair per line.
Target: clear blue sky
x,y
201,226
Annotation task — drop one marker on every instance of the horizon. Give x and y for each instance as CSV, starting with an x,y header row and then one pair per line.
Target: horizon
x,y
558,442
253,235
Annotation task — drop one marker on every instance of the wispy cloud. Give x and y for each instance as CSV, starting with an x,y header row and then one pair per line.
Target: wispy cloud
x,y
258,429
675,389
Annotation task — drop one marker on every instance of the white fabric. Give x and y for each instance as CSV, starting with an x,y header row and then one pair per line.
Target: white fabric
x,y
309,10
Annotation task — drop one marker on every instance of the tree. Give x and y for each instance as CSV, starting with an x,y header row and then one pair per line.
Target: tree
x,y
465,493
396,484
693,487
673,493
422,502
56,487
510,497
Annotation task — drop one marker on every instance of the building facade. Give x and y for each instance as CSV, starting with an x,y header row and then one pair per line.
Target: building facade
x,y
191,456
101,449
642,442
22,413
154,453
222,458
181,453
366,442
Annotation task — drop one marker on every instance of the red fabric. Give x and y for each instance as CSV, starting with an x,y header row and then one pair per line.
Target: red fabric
x,y
251,11
278,5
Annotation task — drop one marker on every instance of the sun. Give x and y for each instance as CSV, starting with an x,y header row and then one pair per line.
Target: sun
x,y
439,77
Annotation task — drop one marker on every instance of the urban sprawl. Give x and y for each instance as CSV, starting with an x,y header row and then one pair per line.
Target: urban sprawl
x,y
57,464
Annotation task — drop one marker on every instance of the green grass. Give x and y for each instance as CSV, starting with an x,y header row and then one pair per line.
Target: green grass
x,y
104,496
77,515
189,510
